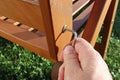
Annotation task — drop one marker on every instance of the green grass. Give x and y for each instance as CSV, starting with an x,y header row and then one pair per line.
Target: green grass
x,y
17,63
116,28
113,58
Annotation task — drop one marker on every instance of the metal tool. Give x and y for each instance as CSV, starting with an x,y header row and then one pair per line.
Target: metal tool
x,y
74,33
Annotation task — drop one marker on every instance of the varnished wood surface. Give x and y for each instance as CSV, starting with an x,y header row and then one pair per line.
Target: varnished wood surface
x,y
49,17
26,39
61,12
79,5
82,18
95,21
48,25
108,25
22,11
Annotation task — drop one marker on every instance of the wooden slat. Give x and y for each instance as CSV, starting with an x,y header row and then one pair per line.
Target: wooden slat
x,y
95,21
29,40
82,18
108,25
79,5
61,12
24,12
19,24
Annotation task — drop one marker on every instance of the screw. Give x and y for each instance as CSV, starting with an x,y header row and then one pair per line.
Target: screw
x,y
74,33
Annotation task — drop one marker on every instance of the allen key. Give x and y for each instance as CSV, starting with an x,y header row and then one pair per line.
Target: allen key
x,y
73,32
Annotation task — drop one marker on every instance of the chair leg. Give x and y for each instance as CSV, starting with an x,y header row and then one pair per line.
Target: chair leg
x,y
55,70
108,25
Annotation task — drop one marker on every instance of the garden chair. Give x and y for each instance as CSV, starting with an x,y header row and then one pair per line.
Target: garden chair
x,y
37,24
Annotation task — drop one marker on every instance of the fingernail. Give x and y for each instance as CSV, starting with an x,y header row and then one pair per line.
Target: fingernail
x,y
68,50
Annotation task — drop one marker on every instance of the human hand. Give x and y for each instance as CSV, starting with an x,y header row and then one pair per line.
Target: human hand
x,y
83,63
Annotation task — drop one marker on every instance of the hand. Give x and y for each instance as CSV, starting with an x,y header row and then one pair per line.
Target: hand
x,y
83,63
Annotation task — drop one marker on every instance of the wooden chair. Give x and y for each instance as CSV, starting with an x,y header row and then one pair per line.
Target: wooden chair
x,y
37,24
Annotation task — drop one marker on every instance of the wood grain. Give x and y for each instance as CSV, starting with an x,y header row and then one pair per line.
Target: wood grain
x,y
24,12
82,18
61,12
108,25
96,20
49,17
79,5
48,25
26,39
33,1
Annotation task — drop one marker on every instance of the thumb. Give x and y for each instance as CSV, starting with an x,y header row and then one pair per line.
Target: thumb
x,y
86,53
70,59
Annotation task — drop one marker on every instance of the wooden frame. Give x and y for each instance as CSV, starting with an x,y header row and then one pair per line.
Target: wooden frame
x,y
47,18
50,40
106,11
95,21
107,29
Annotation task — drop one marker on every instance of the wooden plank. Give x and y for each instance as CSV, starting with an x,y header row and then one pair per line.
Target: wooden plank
x,y
24,12
82,18
79,5
95,21
47,22
20,25
108,25
26,39
61,12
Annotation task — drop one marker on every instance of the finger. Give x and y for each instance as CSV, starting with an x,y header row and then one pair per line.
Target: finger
x,y
61,72
86,52
70,61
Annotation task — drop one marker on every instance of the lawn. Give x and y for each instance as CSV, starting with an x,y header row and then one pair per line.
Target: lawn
x,y
17,63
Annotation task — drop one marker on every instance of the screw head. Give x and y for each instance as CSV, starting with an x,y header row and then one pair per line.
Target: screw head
x,y
64,28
